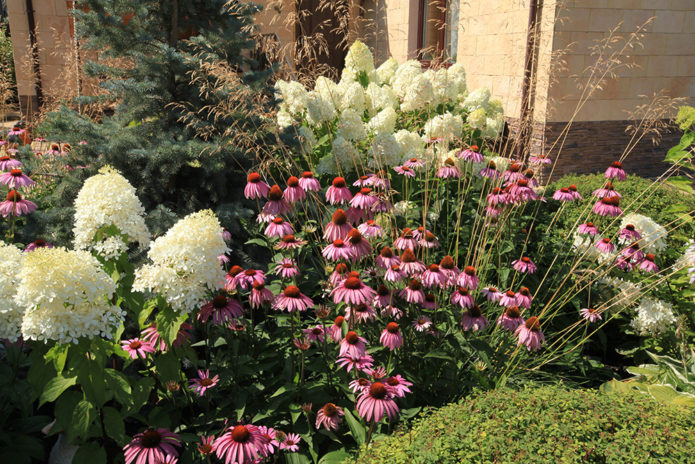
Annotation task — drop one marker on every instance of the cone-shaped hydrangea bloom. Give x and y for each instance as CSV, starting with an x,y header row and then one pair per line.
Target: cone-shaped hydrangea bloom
x,y
221,308
353,345
386,258
468,278
648,265
391,337
293,193
241,444
7,163
352,291
329,416
291,300
15,205
108,199
473,319
255,187
308,182
370,229
588,229
204,382
278,227
510,319
136,347
15,178
184,262
65,295
615,171
530,334
590,314
524,265
376,402
153,446
338,228
462,297
10,313
338,192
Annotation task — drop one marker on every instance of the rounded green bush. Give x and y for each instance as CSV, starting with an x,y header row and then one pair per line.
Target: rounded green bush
x,y
544,424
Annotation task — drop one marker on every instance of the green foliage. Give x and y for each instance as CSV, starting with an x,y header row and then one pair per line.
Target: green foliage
x,y
547,424
686,117
8,82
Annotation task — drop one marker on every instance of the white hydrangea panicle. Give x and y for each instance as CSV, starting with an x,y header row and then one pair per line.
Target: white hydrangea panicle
x,y
493,126
354,97
327,165
412,145
284,119
443,89
653,235
108,199
345,155
350,125
403,207
654,317
445,126
477,119
585,245
687,261
419,94
306,138
318,109
477,99
386,152
404,76
10,312
457,79
65,295
627,293
359,59
293,96
329,90
384,121
380,97
184,265
386,71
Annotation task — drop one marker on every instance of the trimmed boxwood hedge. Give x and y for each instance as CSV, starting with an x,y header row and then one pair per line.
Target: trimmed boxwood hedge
x,y
543,425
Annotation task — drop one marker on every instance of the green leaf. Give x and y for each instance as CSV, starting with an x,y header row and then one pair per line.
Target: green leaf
x,y
168,324
58,355
55,387
296,458
141,393
257,241
145,312
114,425
663,393
91,378
168,367
120,386
82,418
358,431
90,453
681,183
334,457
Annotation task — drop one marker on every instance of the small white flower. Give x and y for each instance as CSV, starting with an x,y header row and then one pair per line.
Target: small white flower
x,y
654,317
351,126
10,313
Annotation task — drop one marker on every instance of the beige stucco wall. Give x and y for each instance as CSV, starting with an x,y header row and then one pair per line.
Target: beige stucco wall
x,y
665,60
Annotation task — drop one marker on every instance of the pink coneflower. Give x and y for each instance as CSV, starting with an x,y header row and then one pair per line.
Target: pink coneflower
x,y
510,319
508,299
286,268
628,233
315,333
513,173
471,154
497,197
530,334
277,204
449,170
492,212
290,242
376,402
532,182
615,171
338,228
338,192
301,343
386,258
404,170
246,278
270,435
490,171
226,235
337,251
588,229
608,206
358,363
8,163
264,218
15,205
38,243
335,332
308,182
379,180
448,267
370,229
523,297
433,277
605,245
468,278
410,264
339,274
205,445
329,416
395,274
383,205
575,193
204,382
359,385
406,240
14,178
152,447
491,294
136,347
223,259
361,181
606,191
422,323
429,240
391,337
255,187
356,215
291,442
648,265
230,280
430,301
292,300
151,335
520,191
524,265
414,163
539,159
360,313
413,292
473,319
398,386
221,308
241,444
293,193
563,194
590,314
278,227
352,291
418,233
359,247
363,200
353,346
462,297
260,295
633,253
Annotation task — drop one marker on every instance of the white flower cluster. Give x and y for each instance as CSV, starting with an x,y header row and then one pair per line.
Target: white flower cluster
x,y
108,199
318,109
385,151
653,235
65,295
293,96
477,99
403,207
654,317
380,97
350,125
384,121
10,313
445,126
687,260
412,145
185,266
484,114
357,60
627,292
387,70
